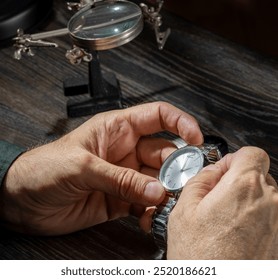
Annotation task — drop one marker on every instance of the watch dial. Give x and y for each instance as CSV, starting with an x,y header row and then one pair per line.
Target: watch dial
x,y
180,166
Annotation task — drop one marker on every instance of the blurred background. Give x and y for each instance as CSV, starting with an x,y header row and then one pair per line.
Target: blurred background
x,y
252,23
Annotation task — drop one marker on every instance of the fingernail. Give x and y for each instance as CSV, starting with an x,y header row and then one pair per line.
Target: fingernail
x,y
153,191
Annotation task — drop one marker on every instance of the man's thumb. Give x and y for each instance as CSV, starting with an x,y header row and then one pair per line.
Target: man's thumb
x,y
129,185
201,184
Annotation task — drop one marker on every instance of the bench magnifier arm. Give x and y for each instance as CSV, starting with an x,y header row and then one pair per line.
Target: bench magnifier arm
x,y
25,43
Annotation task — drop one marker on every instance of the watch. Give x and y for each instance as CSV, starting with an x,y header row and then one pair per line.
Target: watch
x,y
177,169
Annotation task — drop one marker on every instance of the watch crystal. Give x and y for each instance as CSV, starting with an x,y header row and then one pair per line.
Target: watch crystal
x,y
180,166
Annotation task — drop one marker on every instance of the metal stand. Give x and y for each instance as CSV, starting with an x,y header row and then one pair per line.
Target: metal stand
x,y
104,90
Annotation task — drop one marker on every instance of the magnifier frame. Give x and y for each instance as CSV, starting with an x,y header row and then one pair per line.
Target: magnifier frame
x,y
108,42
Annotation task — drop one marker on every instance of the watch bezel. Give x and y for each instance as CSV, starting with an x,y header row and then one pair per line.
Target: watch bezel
x,y
171,158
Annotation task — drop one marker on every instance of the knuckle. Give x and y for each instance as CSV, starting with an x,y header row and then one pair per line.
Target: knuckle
x,y
249,185
255,152
80,163
275,202
127,185
253,180
162,104
84,160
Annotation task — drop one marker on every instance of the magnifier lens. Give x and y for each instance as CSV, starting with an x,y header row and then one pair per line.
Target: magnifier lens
x,y
107,20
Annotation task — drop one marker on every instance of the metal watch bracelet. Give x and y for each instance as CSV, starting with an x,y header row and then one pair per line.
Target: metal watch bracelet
x,y
160,221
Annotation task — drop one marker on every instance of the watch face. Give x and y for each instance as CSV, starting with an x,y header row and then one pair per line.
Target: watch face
x,y
180,166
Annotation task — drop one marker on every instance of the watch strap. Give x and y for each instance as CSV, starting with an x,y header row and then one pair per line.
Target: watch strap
x,y
160,221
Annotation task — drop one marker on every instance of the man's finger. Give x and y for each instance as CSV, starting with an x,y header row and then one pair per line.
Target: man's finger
x,y
200,185
154,117
124,183
246,159
153,151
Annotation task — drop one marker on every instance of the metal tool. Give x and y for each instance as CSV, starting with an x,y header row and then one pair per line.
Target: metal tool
x,y
97,25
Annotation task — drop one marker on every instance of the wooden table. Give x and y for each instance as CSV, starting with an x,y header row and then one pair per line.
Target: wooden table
x,y
232,91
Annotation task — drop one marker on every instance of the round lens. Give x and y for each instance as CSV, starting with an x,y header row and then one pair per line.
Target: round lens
x,y
106,20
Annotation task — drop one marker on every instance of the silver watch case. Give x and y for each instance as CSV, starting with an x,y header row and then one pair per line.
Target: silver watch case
x,y
210,154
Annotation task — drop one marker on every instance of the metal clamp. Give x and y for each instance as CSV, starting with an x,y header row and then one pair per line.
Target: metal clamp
x,y
25,42
154,19
76,55
76,6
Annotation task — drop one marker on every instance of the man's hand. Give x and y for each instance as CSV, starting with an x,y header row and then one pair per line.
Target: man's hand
x,y
100,171
228,211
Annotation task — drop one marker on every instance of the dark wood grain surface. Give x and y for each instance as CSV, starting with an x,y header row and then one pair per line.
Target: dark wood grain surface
x,y
232,91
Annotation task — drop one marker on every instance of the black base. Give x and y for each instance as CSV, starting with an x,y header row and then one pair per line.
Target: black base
x,y
103,89
109,99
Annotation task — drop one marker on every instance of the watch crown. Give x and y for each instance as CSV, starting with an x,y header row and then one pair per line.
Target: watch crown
x,y
211,152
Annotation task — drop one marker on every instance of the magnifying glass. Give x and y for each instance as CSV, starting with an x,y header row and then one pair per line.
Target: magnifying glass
x,y
106,26
97,26
101,26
